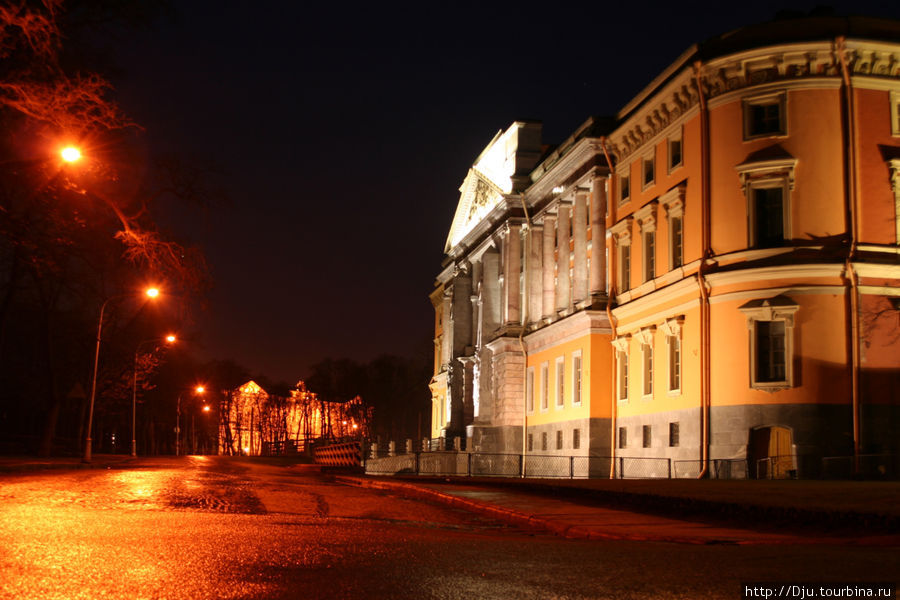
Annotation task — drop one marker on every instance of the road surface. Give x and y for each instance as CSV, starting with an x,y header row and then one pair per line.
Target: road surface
x,y
212,527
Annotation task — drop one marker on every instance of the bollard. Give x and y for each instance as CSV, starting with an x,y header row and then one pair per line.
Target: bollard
x,y
426,445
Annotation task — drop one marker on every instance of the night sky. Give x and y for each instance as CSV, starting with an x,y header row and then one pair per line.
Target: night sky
x,y
342,133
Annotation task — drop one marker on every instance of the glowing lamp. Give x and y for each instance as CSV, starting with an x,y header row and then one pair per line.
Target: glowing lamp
x,y
152,292
70,154
200,389
170,339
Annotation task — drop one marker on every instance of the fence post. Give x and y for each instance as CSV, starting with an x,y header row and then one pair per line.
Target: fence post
x,y
418,454
571,467
392,448
409,446
457,444
522,465
468,464
670,468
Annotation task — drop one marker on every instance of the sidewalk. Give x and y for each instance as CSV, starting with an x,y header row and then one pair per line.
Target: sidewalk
x,y
681,511
20,464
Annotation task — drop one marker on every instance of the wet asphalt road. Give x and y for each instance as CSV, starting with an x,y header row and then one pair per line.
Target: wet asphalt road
x,y
208,527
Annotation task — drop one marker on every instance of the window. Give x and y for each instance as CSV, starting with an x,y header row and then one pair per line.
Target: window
x,y
673,203
545,386
676,242
576,378
623,437
530,442
624,268
765,116
770,323
621,234
559,439
647,436
621,347
623,375
576,439
895,113
624,188
649,255
675,153
647,355
673,435
529,390
560,381
767,224
543,440
767,186
674,347
770,356
649,170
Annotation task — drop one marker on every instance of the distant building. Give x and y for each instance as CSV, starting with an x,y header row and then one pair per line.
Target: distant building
x,y
253,422
711,275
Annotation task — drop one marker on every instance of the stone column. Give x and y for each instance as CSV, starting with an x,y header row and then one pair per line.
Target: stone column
x,y
549,300
473,298
535,273
490,293
511,272
562,260
598,240
446,328
462,311
579,233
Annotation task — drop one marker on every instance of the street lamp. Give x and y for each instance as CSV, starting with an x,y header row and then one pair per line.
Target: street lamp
x,y
70,154
151,293
169,339
198,390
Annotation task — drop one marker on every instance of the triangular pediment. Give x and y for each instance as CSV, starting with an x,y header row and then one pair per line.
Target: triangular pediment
x,y
510,153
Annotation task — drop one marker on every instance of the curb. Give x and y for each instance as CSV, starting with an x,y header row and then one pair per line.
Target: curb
x,y
575,531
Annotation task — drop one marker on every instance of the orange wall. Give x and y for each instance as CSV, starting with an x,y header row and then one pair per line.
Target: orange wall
x,y
877,222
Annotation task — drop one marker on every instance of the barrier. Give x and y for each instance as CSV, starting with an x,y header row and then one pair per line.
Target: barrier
x,y
346,454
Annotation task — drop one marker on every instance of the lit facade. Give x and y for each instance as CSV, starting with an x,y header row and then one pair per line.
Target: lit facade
x,y
710,275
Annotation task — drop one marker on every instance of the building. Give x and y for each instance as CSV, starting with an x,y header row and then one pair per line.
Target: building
x,y
706,281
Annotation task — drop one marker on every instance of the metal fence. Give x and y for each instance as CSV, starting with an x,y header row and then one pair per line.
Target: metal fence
x,y
865,466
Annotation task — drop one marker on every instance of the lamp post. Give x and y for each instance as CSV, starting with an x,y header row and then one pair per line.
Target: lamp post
x,y
198,390
151,293
169,339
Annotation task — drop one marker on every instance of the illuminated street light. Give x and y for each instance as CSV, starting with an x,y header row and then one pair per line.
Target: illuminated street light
x,y
197,390
152,293
70,154
169,339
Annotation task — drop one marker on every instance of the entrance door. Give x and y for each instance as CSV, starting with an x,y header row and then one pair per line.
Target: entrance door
x,y
771,452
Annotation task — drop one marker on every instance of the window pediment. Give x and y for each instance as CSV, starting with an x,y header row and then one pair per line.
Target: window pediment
x,y
646,216
779,308
621,231
773,162
621,343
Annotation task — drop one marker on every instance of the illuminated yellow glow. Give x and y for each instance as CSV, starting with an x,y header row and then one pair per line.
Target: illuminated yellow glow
x,y
247,449
170,338
200,389
70,154
206,408
153,292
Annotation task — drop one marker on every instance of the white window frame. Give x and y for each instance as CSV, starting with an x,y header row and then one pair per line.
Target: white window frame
x,y
779,308
673,204
778,98
529,390
678,137
576,438
624,175
621,234
894,169
646,338
545,386
560,365
672,329
895,113
648,160
621,346
646,219
768,174
577,378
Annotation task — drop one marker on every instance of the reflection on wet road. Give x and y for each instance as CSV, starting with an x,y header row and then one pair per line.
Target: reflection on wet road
x,y
216,528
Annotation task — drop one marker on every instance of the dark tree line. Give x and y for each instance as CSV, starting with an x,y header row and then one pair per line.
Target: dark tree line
x,y
75,235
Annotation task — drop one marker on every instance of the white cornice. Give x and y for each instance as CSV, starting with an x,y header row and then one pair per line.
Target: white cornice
x,y
798,290
778,272
577,325
877,270
584,152
660,296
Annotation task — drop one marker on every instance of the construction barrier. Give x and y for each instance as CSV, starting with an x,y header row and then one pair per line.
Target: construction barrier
x,y
346,454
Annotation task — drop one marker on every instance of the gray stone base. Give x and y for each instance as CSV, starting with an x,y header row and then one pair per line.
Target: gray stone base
x,y
500,440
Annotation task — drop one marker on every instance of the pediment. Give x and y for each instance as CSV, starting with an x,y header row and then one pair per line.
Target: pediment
x,y
478,196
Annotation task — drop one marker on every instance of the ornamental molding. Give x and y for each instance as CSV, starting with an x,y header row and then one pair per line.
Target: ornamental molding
x,y
785,63
646,216
621,343
894,166
645,335
779,308
673,201
621,231
672,327
776,168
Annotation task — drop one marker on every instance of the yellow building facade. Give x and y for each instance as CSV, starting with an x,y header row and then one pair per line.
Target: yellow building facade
x,y
705,284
